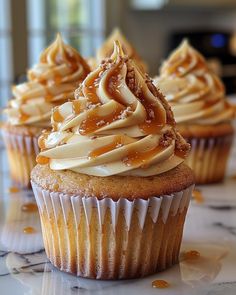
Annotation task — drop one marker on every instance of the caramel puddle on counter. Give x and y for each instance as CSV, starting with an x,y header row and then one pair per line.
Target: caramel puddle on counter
x,y
29,208
201,265
198,196
13,189
160,284
191,255
29,230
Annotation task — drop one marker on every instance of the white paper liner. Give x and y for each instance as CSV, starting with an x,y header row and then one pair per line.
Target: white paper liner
x,y
159,209
22,151
208,158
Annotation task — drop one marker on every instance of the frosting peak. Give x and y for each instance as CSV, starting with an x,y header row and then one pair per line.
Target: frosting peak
x,y
50,82
196,94
106,49
118,124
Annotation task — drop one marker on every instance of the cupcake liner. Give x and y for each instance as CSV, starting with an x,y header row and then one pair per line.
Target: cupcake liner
x,y
208,158
22,151
106,239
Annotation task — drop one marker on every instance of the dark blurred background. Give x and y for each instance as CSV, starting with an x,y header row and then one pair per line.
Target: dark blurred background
x,y
154,27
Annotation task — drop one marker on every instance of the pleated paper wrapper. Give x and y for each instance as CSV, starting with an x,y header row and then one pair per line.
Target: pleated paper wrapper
x,y
106,239
22,151
208,158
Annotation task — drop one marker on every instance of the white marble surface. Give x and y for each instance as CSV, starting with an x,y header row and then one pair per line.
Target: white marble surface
x,y
210,229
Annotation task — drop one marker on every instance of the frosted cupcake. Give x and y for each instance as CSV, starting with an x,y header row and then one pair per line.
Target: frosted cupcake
x,y
106,50
111,185
51,82
203,115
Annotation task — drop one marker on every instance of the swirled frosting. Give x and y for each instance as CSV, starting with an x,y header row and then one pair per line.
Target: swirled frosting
x,y
195,93
119,124
106,49
50,82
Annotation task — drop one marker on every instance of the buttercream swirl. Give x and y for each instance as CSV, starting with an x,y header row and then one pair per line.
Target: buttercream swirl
x,y
50,82
195,93
118,124
106,49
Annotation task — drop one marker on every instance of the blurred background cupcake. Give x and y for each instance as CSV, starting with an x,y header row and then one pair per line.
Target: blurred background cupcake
x,y
203,114
50,82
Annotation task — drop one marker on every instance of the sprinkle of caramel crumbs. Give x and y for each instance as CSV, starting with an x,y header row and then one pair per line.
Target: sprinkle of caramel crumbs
x,y
166,138
182,145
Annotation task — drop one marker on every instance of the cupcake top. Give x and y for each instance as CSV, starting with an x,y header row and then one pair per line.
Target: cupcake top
x,y
195,93
106,49
50,82
118,124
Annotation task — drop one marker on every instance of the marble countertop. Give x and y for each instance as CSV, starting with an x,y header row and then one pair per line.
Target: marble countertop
x,y
210,229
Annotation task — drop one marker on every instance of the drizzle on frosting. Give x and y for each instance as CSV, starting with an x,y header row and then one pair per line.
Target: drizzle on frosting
x,y
194,92
118,124
106,49
50,82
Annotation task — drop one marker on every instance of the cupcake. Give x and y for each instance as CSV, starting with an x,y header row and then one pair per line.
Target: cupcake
x,y
202,112
111,186
106,49
51,82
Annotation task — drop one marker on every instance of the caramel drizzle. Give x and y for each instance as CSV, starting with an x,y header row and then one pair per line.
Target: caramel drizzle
x,y
89,89
29,230
112,84
141,158
117,142
57,117
177,70
42,139
13,190
161,284
155,120
23,117
77,107
29,207
94,121
191,255
42,160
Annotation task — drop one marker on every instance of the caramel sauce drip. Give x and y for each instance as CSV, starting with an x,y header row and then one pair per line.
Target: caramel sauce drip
x,y
29,230
137,158
23,117
42,160
181,153
112,84
13,189
48,97
29,208
107,148
197,196
77,107
89,89
155,117
178,70
57,117
94,121
42,139
191,255
55,186
161,284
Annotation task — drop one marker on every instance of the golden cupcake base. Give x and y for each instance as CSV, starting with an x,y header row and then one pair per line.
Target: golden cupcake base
x,y
106,239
